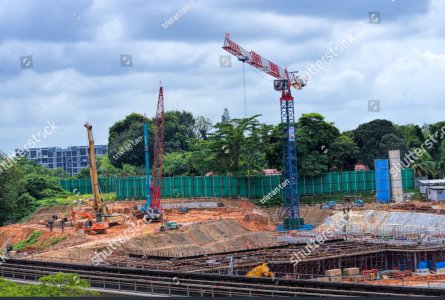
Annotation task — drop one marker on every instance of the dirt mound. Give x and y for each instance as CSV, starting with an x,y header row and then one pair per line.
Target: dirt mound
x,y
314,215
43,214
13,234
311,215
222,228
46,241
210,237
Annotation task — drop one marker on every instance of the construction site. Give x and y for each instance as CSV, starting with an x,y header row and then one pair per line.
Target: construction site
x,y
386,244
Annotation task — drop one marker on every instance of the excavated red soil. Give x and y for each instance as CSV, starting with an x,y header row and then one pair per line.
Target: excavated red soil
x,y
259,225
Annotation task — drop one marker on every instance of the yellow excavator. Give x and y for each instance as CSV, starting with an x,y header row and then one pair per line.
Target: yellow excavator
x,y
260,271
102,214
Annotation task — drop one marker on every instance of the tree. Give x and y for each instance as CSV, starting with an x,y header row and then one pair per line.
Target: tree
x,y
412,134
175,164
63,285
424,166
83,173
392,142
368,137
123,147
127,170
40,187
201,158
271,138
125,140
236,146
225,117
54,285
105,168
441,164
202,127
22,186
343,153
9,193
179,128
314,137
435,136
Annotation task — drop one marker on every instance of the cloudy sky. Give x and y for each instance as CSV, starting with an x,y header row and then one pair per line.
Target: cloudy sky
x,y
396,56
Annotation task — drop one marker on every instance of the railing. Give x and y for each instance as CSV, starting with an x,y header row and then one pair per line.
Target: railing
x,y
176,287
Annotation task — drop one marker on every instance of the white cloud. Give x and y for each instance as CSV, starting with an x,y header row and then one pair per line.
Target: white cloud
x,y
77,74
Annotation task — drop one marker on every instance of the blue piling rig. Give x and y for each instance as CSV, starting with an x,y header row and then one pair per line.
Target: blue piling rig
x,y
147,170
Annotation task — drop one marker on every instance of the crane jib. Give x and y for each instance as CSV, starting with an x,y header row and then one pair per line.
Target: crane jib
x,y
254,59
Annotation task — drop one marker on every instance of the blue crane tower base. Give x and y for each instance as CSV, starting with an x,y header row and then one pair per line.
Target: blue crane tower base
x,y
291,198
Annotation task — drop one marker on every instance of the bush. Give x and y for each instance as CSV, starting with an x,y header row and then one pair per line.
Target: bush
x,y
41,186
54,285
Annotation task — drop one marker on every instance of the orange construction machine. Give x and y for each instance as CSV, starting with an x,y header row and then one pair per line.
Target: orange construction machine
x,y
90,226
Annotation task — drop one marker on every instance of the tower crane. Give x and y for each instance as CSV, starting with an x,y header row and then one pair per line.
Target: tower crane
x,y
283,83
152,210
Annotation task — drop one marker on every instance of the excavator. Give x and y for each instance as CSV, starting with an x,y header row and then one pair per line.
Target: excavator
x,y
90,226
101,210
260,271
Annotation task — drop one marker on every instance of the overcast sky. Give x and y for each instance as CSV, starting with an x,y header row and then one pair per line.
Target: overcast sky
x,y
76,73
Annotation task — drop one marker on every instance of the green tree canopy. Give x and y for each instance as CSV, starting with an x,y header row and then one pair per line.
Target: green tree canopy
x,y
368,137
179,127
126,144
343,153
237,146
314,138
435,134
22,185
125,141
424,166
55,285
412,134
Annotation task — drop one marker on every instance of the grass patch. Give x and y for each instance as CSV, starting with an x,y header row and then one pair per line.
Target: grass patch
x,y
71,199
54,240
29,241
272,202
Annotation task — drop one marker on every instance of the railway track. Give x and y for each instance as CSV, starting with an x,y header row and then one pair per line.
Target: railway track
x,y
204,285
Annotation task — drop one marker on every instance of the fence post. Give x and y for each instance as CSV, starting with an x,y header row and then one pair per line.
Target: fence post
x,y
322,186
270,183
191,189
262,186
213,186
